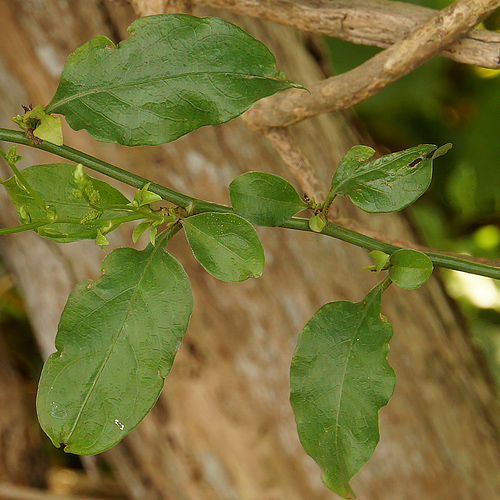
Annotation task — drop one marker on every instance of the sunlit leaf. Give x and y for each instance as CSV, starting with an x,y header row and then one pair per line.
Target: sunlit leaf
x,y
226,245
174,74
116,342
339,380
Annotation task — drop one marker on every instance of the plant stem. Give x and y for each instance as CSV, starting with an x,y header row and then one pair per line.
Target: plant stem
x,y
24,227
194,206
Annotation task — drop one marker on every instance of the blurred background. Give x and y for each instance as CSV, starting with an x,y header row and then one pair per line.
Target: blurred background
x,y
443,101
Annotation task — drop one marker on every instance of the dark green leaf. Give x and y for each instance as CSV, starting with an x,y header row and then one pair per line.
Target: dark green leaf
x,y
226,245
339,380
409,268
386,184
56,185
174,74
264,199
116,342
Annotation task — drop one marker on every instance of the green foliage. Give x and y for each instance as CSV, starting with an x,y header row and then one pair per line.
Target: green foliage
x,y
226,245
74,216
339,379
174,74
409,268
264,199
116,342
118,335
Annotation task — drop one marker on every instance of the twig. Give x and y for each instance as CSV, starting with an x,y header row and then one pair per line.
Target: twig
x,y
297,163
365,22
353,87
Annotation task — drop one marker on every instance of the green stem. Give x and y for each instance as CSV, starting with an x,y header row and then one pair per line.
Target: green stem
x,y
361,240
24,182
24,227
194,206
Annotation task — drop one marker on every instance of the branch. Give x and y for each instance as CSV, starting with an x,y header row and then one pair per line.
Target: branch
x,y
365,22
351,88
195,206
298,165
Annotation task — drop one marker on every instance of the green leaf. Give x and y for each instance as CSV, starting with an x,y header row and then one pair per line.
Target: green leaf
x,y
264,199
409,268
386,184
339,379
317,223
226,245
55,183
116,342
381,260
46,127
174,74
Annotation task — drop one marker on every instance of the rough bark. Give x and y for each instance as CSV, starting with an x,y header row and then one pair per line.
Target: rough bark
x,y
223,427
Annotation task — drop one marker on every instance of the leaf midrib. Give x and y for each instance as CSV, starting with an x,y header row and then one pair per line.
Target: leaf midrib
x,y
348,357
111,348
51,108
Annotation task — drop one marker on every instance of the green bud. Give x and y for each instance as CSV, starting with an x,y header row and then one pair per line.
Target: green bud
x,y
12,156
101,239
317,223
91,216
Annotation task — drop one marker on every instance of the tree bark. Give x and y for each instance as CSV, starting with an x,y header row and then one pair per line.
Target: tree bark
x,y
223,427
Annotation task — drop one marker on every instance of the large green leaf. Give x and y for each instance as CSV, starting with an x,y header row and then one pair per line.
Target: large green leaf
x,y
174,74
55,184
386,184
339,380
226,245
116,342
264,199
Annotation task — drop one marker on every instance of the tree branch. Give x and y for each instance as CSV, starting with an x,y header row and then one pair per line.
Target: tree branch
x,y
353,87
366,22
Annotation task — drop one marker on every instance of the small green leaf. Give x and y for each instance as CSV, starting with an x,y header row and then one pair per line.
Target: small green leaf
x,y
116,343
264,199
147,196
339,379
226,245
46,127
140,228
381,260
409,268
317,223
174,74
386,184
55,184
100,239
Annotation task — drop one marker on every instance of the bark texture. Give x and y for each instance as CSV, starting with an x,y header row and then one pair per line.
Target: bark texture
x,y
223,428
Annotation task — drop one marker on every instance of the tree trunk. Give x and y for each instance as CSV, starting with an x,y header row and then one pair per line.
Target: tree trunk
x,y
223,427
